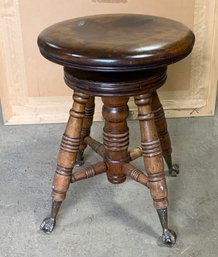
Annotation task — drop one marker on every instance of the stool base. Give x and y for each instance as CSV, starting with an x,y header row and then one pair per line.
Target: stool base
x,y
114,151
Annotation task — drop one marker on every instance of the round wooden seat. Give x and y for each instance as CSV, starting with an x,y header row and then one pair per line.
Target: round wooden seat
x,y
116,42
116,56
93,48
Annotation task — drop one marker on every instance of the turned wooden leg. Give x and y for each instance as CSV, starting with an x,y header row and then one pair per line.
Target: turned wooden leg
x,y
87,123
153,161
66,159
163,134
115,137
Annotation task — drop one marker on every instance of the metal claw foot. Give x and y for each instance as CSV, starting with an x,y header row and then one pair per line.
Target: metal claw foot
x,y
48,225
172,168
174,171
168,238
79,159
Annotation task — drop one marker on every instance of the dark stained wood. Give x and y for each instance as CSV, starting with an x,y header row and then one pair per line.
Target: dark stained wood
x,y
116,42
116,56
115,83
87,121
151,151
86,127
161,125
89,172
96,146
69,147
163,134
115,136
135,174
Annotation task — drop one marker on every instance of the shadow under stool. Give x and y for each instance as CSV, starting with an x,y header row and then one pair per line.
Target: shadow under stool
x,y
116,56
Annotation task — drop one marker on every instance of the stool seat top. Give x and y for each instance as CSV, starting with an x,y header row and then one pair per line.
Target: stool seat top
x,y
116,42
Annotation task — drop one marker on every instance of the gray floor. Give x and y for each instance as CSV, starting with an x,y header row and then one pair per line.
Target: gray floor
x,y
100,219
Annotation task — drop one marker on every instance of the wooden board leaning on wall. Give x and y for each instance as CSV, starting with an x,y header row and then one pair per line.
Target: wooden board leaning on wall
x,y
32,90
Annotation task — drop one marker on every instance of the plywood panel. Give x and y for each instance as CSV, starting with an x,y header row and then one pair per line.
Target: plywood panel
x,y
30,81
38,15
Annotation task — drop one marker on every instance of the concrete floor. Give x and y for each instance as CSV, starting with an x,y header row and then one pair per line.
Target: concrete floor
x,y
100,219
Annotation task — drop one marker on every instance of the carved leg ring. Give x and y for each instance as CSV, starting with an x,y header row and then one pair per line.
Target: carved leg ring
x,y
87,123
66,160
163,134
153,161
115,137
